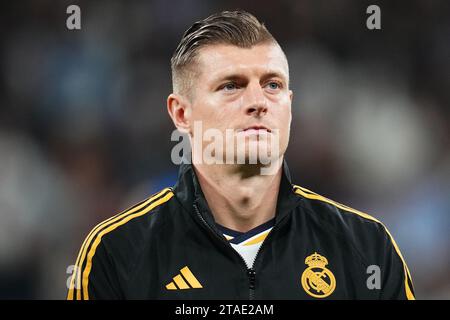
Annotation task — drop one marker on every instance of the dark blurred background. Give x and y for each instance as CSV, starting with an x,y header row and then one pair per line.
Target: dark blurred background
x,y
84,131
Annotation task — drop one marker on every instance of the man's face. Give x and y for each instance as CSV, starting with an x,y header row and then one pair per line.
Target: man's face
x,y
246,90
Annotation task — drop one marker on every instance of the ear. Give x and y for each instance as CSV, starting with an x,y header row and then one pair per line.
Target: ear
x,y
291,95
179,109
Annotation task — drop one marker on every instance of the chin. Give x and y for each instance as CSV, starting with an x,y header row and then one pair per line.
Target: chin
x,y
253,154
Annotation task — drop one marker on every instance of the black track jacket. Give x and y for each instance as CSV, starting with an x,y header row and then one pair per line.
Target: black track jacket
x,y
168,247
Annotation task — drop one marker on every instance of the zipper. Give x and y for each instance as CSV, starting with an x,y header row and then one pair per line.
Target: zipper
x,y
251,273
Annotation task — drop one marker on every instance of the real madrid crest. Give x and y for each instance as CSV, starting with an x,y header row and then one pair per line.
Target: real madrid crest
x,y
318,281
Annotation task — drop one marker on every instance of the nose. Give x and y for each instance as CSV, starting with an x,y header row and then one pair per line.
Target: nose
x,y
255,101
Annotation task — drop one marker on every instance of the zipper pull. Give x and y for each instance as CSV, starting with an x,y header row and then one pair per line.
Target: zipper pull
x,y
251,277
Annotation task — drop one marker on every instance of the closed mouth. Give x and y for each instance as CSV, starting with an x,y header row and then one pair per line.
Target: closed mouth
x,y
257,127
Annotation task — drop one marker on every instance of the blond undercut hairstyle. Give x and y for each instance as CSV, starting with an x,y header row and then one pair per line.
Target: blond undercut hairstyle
x,y
238,28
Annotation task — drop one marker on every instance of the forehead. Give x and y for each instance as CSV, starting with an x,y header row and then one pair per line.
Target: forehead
x,y
215,61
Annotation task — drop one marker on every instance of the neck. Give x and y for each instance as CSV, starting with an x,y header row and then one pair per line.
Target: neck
x,y
239,197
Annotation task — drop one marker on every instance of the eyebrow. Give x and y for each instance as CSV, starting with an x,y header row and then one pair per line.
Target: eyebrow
x,y
237,76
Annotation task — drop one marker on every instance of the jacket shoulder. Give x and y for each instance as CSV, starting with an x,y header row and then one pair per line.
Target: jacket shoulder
x,y
136,219
335,212
113,244
368,234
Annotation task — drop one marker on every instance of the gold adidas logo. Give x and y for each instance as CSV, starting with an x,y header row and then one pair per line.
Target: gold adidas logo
x,y
185,280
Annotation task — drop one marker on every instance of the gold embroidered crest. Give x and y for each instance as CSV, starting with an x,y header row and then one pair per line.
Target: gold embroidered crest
x,y
318,281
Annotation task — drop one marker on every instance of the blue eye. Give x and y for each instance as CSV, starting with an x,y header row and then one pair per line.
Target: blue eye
x,y
274,85
229,86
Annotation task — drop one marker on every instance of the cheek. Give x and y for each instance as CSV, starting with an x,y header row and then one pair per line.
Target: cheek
x,y
211,115
218,112
285,118
285,112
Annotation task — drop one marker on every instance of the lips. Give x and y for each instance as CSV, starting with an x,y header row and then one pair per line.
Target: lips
x,y
257,128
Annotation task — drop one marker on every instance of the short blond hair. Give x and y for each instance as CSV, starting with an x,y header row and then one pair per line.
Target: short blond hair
x,y
238,28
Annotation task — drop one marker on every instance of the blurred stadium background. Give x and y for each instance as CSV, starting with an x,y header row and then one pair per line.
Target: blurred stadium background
x,y
84,131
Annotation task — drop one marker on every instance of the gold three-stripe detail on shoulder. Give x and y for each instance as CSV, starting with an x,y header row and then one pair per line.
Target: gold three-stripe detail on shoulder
x,y
80,276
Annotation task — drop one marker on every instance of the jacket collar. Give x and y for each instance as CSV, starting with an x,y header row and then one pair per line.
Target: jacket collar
x,y
189,193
